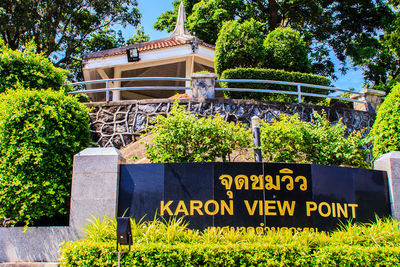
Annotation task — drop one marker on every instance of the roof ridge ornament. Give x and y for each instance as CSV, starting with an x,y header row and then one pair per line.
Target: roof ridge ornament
x,y
180,32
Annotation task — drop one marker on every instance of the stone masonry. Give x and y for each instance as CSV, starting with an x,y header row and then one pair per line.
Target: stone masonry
x,y
116,124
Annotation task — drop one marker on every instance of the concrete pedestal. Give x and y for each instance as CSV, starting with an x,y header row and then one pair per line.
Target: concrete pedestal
x,y
94,190
390,162
94,194
204,85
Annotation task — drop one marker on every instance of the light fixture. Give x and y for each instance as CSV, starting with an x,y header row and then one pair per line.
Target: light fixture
x,y
132,54
124,233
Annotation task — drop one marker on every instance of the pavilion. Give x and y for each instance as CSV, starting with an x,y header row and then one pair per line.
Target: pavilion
x,y
179,55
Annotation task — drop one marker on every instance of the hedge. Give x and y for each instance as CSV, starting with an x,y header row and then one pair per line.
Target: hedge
x,y
29,70
40,132
276,75
89,253
157,244
385,133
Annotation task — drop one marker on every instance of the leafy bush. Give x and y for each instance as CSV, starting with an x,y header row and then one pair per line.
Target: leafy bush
x,y
385,133
40,131
277,75
239,45
285,49
292,140
172,244
29,70
182,137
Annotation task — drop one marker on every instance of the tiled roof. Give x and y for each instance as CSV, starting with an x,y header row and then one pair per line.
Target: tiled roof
x,y
146,46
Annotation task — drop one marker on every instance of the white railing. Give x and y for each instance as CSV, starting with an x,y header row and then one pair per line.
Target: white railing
x,y
298,86
299,93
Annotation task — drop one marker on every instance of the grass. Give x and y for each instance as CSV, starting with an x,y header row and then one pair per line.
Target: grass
x,y
382,232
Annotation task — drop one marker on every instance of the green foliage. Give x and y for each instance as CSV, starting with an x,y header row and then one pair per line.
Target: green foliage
x,y
239,45
40,132
208,17
139,37
379,55
167,20
182,137
60,28
374,244
101,230
385,133
96,41
29,70
276,75
285,49
317,20
292,140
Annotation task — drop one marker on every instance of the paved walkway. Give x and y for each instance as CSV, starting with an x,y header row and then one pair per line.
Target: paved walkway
x,y
29,264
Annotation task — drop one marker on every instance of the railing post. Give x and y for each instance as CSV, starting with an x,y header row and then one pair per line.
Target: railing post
x,y
372,97
299,93
255,128
108,91
204,85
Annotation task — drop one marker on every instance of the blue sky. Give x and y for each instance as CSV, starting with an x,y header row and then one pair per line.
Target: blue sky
x,y
151,9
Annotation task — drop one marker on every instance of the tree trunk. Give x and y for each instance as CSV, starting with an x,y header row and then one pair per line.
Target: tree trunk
x,y
273,11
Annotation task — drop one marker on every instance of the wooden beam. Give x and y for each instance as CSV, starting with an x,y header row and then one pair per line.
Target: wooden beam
x,y
102,74
204,60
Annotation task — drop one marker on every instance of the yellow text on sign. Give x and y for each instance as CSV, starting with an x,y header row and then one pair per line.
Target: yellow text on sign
x,y
324,209
197,207
270,207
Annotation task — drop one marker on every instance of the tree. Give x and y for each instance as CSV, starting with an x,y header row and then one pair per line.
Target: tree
x,y
97,41
29,70
61,28
327,25
285,49
168,19
239,45
208,17
380,55
139,37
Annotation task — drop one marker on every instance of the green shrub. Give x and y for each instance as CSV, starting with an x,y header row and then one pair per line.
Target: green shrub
x,y
385,133
239,45
285,49
172,244
29,70
292,140
182,137
40,131
276,75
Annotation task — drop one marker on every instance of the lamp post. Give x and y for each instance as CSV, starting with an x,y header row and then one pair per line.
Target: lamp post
x,y
124,235
255,128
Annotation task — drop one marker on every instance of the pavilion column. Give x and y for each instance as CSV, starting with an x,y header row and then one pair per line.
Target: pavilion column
x,y
189,72
116,95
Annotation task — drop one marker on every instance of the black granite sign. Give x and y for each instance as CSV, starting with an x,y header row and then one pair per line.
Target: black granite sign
x,y
253,196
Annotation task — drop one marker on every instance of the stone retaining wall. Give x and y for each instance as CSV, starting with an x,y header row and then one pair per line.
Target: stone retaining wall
x,y
116,124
